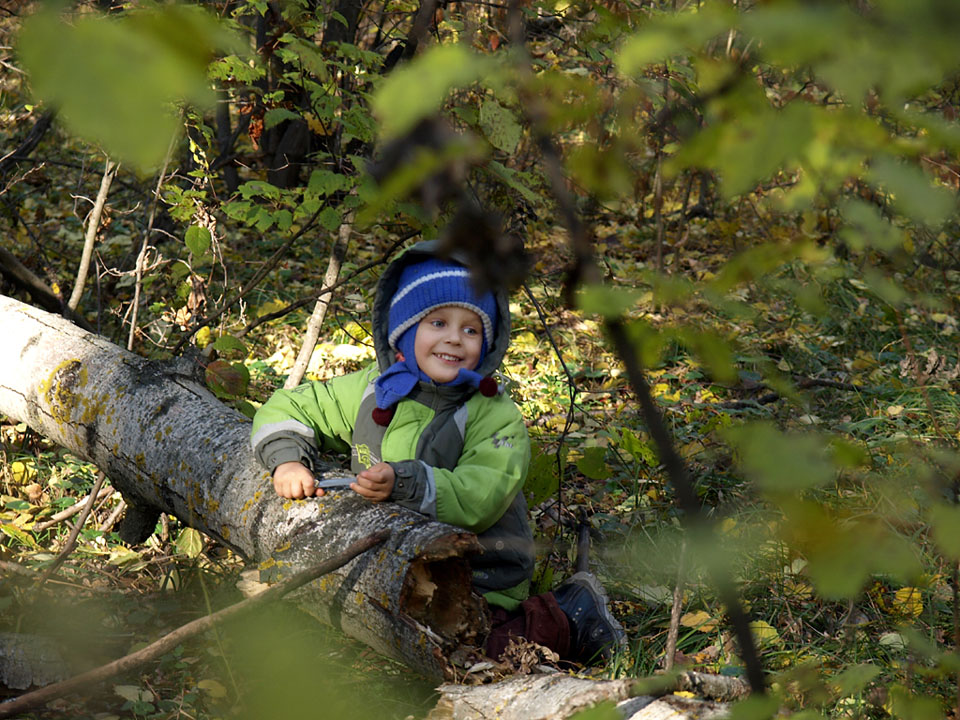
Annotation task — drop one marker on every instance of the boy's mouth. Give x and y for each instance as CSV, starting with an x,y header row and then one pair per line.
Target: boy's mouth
x,y
447,358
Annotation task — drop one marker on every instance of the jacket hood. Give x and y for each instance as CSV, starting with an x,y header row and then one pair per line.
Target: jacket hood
x,y
387,288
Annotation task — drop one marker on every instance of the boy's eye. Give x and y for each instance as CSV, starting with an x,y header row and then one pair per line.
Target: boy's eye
x,y
470,331
437,323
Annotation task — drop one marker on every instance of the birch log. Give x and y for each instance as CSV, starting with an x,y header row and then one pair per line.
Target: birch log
x,y
167,444
560,697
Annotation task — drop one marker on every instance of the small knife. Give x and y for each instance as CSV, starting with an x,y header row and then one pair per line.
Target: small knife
x,y
333,482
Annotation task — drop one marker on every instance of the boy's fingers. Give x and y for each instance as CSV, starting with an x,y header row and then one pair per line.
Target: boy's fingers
x,y
308,485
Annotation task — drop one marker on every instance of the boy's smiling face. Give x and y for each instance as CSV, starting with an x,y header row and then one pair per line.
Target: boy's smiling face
x,y
448,338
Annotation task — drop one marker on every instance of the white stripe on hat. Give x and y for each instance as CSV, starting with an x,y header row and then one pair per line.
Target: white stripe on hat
x,y
462,272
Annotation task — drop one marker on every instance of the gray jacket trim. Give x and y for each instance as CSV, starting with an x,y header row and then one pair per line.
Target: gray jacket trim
x,y
283,427
287,447
460,418
429,504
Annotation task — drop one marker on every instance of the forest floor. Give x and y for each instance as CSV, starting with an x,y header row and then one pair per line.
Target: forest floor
x,y
847,359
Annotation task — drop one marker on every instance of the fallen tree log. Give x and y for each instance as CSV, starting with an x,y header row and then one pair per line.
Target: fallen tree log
x,y
558,697
167,444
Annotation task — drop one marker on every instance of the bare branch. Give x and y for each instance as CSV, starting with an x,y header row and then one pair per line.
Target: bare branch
x,y
93,224
88,680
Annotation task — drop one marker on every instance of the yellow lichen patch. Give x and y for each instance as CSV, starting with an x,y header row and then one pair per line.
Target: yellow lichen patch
x,y
158,437
358,598
267,564
213,505
246,506
283,548
92,408
60,388
225,532
140,459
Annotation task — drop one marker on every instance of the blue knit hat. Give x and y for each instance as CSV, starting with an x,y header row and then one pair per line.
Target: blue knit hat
x,y
423,287
434,283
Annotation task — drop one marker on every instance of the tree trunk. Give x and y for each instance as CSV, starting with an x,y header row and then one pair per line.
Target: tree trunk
x,y
560,696
169,445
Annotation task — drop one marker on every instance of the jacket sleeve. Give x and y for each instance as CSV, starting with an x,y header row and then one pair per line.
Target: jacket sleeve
x,y
489,474
295,425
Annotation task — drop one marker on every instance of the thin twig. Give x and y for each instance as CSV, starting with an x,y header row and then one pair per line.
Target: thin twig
x,y
72,510
675,609
327,290
88,680
573,390
337,253
254,281
141,256
93,224
75,533
113,517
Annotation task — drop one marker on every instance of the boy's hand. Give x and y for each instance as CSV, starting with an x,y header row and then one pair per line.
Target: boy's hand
x,y
375,483
293,480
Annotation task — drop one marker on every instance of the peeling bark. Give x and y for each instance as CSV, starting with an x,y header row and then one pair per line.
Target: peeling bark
x,y
167,443
559,696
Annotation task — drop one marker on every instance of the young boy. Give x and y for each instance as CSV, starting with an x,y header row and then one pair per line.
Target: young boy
x,y
428,428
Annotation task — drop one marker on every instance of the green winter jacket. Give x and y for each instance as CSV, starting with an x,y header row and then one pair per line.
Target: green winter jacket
x,y
459,457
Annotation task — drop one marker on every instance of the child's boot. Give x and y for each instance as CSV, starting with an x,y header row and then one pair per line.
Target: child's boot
x,y
594,633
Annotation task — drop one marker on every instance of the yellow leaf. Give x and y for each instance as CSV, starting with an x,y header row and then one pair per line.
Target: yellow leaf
x,y
22,472
684,694
699,620
212,688
764,633
894,410
908,602
203,337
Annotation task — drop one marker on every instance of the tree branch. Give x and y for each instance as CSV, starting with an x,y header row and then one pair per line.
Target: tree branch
x,y
86,681
337,253
93,224
78,526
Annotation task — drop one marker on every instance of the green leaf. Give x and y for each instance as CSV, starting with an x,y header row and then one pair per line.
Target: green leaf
x,y
543,478
855,678
868,228
607,301
778,462
255,188
945,520
912,192
795,34
637,448
419,88
323,182
189,542
330,219
117,79
197,240
509,177
275,116
500,126
606,710
133,693
226,343
672,35
592,463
